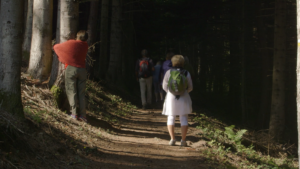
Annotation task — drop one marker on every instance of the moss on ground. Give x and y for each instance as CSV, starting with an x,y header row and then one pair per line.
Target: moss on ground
x,y
57,94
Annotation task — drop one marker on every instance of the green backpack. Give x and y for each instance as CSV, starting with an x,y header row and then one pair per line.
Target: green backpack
x,y
178,82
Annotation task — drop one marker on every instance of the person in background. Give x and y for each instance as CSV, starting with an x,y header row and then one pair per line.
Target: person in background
x,y
143,70
167,64
72,53
157,82
177,106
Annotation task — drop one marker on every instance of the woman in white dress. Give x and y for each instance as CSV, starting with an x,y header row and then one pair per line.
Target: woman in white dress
x,y
177,107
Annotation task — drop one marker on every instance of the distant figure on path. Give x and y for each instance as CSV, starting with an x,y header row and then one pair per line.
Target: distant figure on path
x,y
177,80
157,82
167,64
143,70
72,53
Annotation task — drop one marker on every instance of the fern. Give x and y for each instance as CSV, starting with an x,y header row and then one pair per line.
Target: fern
x,y
235,137
239,135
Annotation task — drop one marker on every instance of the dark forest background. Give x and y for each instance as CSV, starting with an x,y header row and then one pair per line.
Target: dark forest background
x,y
230,45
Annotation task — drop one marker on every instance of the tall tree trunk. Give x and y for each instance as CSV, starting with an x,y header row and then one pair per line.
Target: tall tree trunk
x,y
92,31
68,17
264,110
104,38
11,56
57,67
243,63
234,72
115,66
298,77
41,49
277,119
28,32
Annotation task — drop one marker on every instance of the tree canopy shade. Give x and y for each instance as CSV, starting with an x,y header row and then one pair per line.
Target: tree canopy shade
x,y
241,52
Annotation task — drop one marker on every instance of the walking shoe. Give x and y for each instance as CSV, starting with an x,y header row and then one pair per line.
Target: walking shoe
x,y
172,142
144,107
83,119
183,143
74,117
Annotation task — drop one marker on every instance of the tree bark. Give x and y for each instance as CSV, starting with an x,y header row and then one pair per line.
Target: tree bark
x,y
41,49
298,76
115,66
57,67
11,56
104,38
277,119
264,110
68,23
28,32
92,31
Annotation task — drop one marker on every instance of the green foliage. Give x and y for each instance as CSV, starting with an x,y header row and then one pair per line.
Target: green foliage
x,y
34,115
57,93
230,141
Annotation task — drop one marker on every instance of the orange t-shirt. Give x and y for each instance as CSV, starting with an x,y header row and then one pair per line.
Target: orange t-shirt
x,y
72,52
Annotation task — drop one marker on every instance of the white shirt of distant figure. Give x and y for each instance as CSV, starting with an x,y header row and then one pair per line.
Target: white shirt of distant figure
x,y
183,105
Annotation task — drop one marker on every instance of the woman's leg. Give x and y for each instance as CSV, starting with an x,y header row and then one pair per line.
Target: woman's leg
x,y
171,126
184,126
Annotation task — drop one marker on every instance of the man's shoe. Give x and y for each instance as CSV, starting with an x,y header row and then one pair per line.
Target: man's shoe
x,y
172,142
83,119
144,107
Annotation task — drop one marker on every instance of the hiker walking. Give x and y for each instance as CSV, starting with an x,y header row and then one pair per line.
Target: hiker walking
x,y
72,53
167,64
177,83
157,82
144,68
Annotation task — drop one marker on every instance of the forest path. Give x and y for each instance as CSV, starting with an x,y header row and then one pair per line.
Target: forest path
x,y
142,142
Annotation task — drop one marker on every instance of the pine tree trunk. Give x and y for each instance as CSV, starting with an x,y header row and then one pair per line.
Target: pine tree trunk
x,y
92,31
28,32
277,119
104,38
11,56
234,77
115,66
68,17
57,67
298,77
266,63
41,49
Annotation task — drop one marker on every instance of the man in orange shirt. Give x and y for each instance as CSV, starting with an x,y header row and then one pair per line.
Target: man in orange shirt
x,y
72,53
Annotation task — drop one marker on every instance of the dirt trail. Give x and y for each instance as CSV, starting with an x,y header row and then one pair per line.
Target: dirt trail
x,y
142,142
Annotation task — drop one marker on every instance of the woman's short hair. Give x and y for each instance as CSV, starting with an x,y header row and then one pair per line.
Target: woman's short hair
x,y
178,61
169,55
82,35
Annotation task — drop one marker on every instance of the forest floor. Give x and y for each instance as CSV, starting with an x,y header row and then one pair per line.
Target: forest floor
x,y
118,135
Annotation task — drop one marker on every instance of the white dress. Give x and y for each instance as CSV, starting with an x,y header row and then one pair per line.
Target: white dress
x,y
183,105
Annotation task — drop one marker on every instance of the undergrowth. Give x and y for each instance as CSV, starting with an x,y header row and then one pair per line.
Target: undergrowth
x,y
227,141
101,102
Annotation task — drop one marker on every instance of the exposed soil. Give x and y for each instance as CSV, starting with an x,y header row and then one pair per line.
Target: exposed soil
x,y
51,139
142,141
118,135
